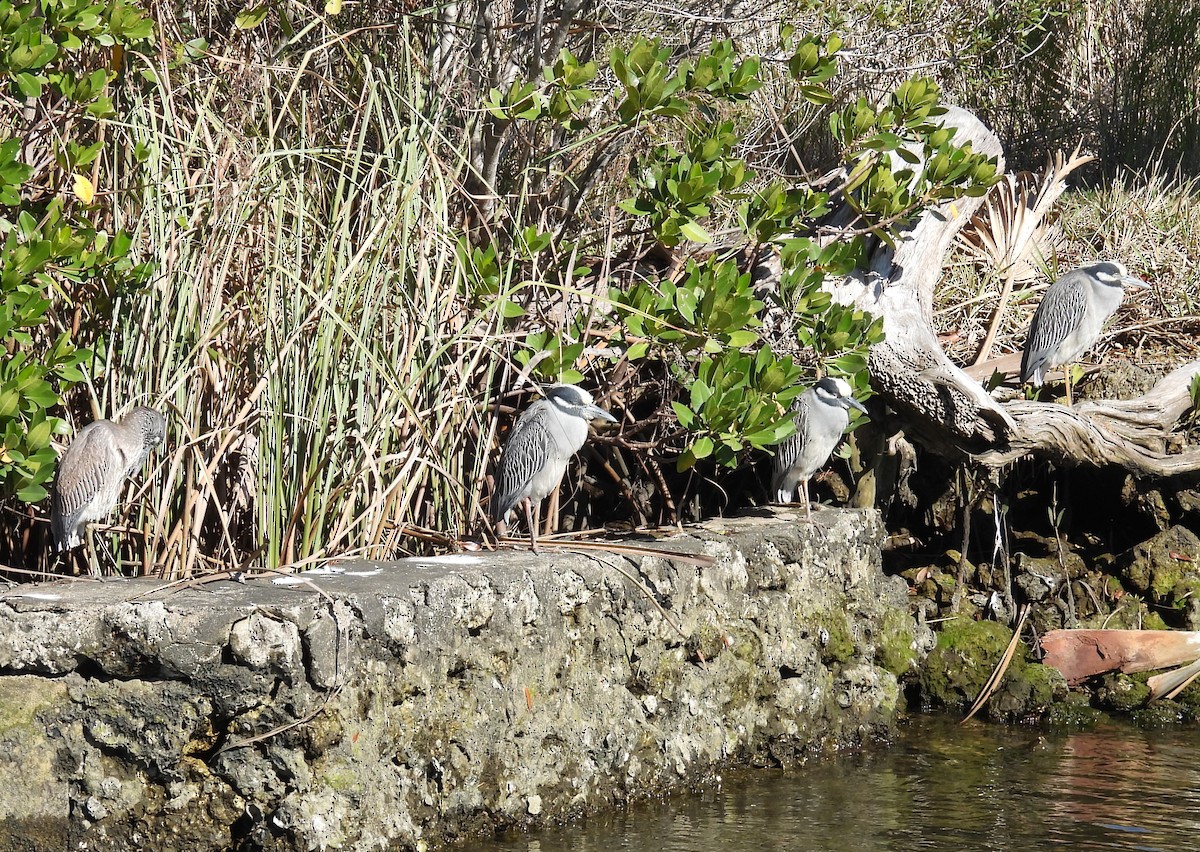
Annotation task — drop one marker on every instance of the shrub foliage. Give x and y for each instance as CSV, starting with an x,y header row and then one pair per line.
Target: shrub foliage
x,y
339,254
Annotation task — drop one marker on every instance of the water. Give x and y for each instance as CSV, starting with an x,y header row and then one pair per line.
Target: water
x,y
936,787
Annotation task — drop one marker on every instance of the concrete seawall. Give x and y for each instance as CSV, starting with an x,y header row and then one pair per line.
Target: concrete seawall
x,y
438,697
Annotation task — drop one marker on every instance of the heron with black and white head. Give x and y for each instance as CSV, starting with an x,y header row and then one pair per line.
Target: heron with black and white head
x,y
535,457
92,471
822,415
1070,317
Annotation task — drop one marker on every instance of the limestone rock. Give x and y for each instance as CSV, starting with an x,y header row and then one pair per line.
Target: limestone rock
x,y
414,702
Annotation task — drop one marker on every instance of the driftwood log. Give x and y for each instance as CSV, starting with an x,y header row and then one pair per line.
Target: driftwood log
x,y
949,411
1081,654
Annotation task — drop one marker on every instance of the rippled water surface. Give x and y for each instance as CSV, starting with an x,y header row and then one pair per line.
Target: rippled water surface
x,y
936,787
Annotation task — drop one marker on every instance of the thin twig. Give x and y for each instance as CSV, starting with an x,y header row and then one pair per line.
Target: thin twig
x,y
993,682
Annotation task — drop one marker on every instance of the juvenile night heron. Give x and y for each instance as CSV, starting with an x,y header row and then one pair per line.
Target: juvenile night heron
x,y
92,471
1069,319
544,438
822,414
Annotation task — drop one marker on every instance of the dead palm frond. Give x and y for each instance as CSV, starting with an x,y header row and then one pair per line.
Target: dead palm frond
x,y
1170,684
1011,234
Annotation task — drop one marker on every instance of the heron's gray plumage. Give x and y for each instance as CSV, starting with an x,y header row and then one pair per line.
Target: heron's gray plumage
x,y
1071,316
543,440
538,445
95,466
822,414
795,451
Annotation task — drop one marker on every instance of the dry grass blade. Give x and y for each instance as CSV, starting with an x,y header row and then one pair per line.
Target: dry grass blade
x,y
993,682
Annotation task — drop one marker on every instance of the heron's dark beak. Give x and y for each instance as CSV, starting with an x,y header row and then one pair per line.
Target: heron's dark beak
x,y
1130,281
595,412
854,403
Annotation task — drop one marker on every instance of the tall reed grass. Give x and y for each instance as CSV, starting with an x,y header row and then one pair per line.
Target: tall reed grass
x,y
306,326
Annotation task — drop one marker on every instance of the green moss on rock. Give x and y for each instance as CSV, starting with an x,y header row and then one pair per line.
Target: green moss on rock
x,y
341,777
707,640
1074,711
1154,568
837,639
958,667
895,651
22,698
1158,714
1154,621
1131,613
1124,693
938,586
967,652
1028,689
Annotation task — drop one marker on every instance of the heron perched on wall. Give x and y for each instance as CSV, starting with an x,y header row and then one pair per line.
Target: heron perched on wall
x,y
1069,319
535,457
92,471
822,415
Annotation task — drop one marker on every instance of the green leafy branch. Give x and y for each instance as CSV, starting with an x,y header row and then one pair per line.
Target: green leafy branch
x,y
49,51
738,401
37,255
904,132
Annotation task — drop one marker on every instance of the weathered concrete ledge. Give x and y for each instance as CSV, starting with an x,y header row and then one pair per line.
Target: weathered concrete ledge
x,y
454,694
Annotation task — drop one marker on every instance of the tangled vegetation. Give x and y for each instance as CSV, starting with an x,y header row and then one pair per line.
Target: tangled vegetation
x,y
340,246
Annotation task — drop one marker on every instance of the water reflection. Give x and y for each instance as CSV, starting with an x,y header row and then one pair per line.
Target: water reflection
x,y
1128,783
938,787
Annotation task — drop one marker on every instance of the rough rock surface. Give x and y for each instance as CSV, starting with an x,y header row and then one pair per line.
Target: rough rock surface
x,y
1163,570
438,697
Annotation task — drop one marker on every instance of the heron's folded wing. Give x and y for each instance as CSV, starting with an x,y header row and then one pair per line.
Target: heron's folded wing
x,y
1061,312
789,451
524,455
88,465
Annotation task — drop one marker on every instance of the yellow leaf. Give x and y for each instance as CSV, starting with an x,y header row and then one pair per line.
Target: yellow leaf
x,y
953,210
333,7
84,190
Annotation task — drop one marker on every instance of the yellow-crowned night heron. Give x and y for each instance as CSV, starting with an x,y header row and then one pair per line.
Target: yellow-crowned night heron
x,y
1069,319
535,457
822,414
93,469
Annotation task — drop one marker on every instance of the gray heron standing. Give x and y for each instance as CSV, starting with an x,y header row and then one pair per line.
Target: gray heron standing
x,y
535,456
822,415
1070,317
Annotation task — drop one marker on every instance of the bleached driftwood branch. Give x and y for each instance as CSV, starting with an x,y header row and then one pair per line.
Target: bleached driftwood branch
x,y
949,411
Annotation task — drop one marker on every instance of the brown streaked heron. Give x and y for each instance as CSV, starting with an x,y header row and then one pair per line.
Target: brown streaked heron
x,y
92,470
